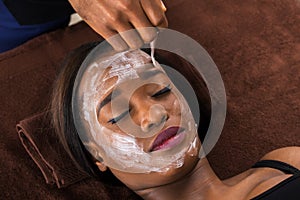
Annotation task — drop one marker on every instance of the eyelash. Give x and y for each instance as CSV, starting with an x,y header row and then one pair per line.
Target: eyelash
x,y
116,119
160,92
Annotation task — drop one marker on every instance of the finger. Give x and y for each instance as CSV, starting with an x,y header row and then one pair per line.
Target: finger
x,y
144,27
155,11
129,35
114,39
103,28
148,34
163,6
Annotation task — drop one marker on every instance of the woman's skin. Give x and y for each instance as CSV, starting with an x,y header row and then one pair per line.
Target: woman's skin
x,y
109,17
195,179
144,114
202,182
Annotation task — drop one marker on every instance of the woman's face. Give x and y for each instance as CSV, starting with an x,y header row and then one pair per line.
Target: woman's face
x,y
148,124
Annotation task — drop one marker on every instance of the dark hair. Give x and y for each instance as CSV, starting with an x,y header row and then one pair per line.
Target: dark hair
x,y
61,103
61,108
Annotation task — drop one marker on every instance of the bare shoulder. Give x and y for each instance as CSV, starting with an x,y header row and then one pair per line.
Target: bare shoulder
x,y
290,155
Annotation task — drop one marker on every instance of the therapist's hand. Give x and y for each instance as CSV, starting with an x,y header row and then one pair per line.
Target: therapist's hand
x,y
109,17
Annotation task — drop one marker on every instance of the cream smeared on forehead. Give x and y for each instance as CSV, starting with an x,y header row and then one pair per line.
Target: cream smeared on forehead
x,y
124,67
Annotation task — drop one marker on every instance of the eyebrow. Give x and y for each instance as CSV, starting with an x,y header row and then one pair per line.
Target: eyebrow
x,y
147,74
144,75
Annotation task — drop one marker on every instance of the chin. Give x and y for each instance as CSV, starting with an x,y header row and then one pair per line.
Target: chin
x,y
172,173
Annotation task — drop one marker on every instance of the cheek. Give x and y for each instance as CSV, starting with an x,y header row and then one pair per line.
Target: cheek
x,y
176,107
104,115
172,105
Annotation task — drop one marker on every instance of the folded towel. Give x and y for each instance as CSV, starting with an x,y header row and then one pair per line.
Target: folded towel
x,y
43,146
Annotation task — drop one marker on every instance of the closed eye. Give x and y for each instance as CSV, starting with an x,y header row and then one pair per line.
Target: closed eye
x,y
116,119
162,91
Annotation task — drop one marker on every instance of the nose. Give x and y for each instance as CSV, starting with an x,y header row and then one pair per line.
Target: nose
x,y
155,115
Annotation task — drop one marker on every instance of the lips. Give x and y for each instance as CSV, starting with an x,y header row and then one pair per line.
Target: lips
x,y
168,138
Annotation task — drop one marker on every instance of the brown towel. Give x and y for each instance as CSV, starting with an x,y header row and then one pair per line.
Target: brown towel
x,y
256,46
44,148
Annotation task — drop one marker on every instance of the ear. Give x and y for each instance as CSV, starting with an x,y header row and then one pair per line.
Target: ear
x,y
102,167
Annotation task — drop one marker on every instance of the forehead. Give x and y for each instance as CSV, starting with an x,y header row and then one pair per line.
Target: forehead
x,y
126,65
127,68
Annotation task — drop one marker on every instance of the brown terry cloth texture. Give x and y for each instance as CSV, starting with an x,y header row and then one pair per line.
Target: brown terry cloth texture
x,y
256,46
43,146
26,77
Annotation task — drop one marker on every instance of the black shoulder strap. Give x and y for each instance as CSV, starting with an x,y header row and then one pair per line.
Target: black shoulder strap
x,y
282,166
286,189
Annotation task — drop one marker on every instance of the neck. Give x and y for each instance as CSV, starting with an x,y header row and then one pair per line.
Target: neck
x,y
201,183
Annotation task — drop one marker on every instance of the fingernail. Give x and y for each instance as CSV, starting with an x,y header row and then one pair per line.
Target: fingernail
x,y
163,6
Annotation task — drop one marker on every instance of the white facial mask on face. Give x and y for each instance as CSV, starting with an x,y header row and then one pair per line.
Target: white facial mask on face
x,y
121,151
